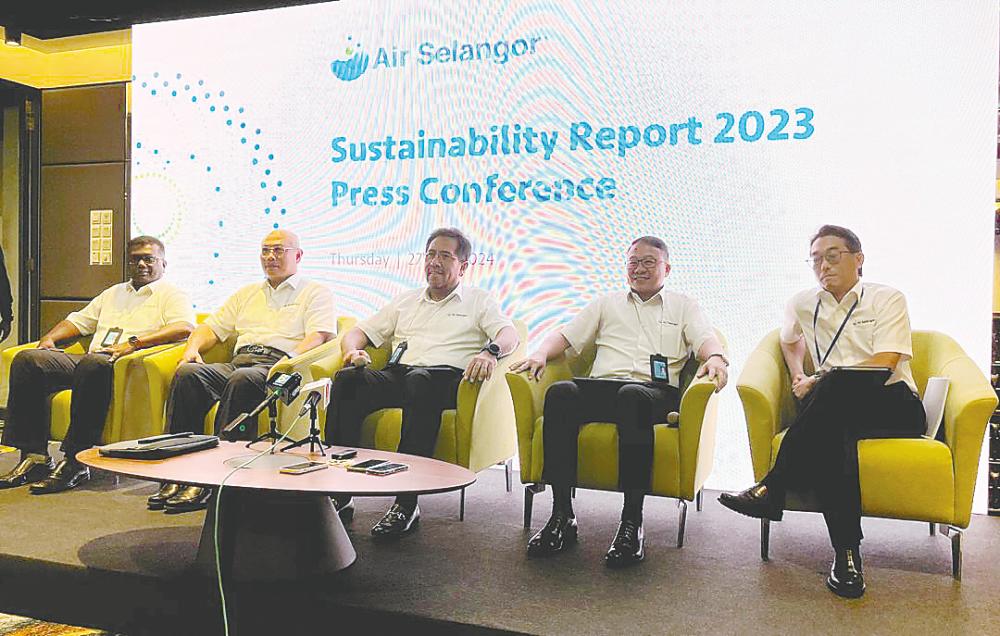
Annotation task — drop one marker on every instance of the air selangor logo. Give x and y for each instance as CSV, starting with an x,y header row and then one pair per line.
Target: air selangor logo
x,y
499,52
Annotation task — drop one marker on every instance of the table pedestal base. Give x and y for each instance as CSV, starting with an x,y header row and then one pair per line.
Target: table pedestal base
x,y
269,535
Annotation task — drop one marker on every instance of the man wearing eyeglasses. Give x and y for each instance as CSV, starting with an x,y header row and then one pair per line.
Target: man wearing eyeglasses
x,y
844,322
140,313
283,316
440,334
643,337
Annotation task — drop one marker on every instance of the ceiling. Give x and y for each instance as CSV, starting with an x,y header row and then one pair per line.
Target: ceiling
x,y
47,20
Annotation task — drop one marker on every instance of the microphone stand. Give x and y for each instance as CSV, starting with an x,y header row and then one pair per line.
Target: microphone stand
x,y
313,439
272,431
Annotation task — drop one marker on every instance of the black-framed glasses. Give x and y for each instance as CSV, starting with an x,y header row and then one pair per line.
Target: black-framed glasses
x,y
146,259
832,257
644,263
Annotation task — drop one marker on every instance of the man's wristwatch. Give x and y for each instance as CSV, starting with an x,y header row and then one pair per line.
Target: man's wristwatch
x,y
720,356
133,342
493,349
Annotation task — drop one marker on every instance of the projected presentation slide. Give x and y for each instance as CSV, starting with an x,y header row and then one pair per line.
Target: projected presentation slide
x,y
553,132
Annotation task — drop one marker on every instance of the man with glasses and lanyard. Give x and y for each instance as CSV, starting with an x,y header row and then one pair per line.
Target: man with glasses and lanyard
x,y
140,313
281,317
843,323
440,334
643,337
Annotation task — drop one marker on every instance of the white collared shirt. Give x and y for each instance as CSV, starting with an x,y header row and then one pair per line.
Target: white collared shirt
x,y
448,332
137,312
627,331
275,317
879,324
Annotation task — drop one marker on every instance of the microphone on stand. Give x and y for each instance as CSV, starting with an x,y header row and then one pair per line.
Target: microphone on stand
x,y
283,386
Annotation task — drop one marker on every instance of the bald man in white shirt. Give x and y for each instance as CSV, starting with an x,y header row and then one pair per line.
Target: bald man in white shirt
x,y
633,330
142,312
282,316
442,333
843,323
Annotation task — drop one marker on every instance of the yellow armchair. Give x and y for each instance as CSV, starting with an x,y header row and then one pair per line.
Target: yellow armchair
x,y
915,479
160,369
128,410
476,434
682,455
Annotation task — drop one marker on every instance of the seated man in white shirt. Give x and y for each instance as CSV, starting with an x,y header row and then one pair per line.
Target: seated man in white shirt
x,y
140,313
283,316
436,332
637,331
843,322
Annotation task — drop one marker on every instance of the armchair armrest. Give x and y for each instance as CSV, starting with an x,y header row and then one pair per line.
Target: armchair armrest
x,y
304,362
529,399
120,379
160,368
696,434
760,389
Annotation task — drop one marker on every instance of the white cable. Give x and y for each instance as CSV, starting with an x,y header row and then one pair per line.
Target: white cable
x,y
215,530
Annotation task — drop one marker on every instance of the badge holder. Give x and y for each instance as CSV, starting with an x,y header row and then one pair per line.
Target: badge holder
x,y
659,369
397,354
111,337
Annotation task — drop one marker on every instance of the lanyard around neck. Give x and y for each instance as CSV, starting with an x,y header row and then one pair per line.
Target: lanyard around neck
x,y
659,341
821,360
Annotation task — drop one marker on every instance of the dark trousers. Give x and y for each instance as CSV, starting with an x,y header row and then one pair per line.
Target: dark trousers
x,y
820,449
422,392
238,386
37,373
633,408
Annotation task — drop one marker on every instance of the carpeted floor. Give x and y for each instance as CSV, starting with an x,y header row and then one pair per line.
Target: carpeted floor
x,y
96,557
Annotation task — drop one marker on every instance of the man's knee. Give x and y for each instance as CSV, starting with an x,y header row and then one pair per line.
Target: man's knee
x,y
187,375
94,363
246,378
348,378
416,384
29,360
562,393
633,395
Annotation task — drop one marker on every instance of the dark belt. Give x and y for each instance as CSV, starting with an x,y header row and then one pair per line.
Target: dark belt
x,y
261,350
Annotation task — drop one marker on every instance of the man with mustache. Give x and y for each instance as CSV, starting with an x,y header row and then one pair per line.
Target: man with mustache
x,y
440,334
637,332
844,322
143,312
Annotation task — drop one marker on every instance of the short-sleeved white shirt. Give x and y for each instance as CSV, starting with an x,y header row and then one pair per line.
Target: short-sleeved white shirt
x,y
879,323
275,317
628,330
137,312
448,332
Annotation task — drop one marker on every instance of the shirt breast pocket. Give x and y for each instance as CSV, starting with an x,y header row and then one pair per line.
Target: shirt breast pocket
x,y
863,332
672,340
290,320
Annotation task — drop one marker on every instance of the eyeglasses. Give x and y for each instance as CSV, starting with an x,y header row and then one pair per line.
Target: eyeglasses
x,y
147,259
445,257
644,263
277,252
832,257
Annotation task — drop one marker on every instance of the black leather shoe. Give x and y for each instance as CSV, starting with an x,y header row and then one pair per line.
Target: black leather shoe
x,y
68,474
344,508
159,500
188,499
847,577
396,522
559,533
629,546
756,501
27,471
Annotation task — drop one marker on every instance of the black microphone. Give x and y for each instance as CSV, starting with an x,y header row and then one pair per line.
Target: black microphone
x,y
283,385
310,403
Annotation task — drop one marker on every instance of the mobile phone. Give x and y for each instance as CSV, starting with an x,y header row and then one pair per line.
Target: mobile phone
x,y
363,467
111,337
387,469
343,453
304,467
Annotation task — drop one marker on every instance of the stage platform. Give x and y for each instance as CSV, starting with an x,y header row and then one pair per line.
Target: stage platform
x,y
95,556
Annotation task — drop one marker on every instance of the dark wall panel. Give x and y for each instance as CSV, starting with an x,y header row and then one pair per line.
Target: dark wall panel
x,y
55,310
84,124
68,195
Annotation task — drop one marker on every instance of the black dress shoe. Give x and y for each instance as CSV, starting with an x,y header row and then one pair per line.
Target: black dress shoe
x,y
159,500
188,499
559,532
68,474
629,546
756,501
847,577
27,471
397,522
344,508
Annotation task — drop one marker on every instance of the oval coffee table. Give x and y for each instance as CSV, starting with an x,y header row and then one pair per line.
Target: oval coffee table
x,y
276,526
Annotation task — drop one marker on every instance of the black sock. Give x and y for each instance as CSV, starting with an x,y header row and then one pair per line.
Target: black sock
x,y
407,502
562,500
632,510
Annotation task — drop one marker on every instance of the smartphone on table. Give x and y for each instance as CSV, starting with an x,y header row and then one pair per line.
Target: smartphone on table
x,y
302,468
